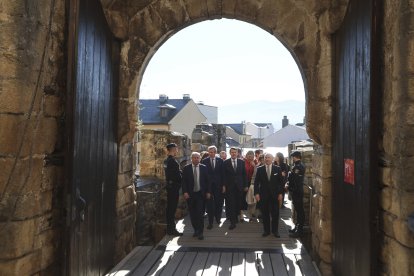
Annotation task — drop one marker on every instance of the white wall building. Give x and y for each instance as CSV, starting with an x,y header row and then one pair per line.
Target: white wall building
x,y
285,136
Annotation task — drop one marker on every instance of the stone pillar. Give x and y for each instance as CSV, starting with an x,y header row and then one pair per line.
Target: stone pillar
x,y
321,215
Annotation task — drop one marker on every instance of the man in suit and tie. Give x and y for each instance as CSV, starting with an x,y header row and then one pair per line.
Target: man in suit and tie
x,y
214,165
268,189
235,182
196,188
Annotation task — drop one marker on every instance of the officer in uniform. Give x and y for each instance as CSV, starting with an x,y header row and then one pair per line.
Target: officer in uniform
x,y
295,187
173,185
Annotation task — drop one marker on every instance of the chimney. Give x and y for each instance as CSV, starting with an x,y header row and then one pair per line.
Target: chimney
x,y
186,97
285,121
163,98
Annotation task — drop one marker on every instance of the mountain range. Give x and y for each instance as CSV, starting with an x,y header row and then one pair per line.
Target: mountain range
x,y
263,112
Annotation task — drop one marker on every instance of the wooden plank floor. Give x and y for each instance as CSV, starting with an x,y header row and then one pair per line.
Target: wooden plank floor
x,y
241,251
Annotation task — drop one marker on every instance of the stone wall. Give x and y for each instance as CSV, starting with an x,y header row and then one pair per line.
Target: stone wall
x,y
397,131
321,216
151,193
32,89
306,148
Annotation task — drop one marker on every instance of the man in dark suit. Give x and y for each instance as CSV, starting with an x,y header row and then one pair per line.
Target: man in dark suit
x,y
196,188
268,189
215,171
235,182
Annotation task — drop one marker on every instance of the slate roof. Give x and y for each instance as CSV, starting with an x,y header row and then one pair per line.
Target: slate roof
x,y
149,112
231,142
238,128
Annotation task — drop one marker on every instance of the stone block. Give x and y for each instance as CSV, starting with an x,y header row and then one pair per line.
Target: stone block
x,y
402,234
148,25
323,186
322,165
325,252
126,123
138,53
267,13
16,95
52,106
325,210
125,180
125,196
40,136
52,177
126,158
118,22
25,177
11,132
48,255
214,8
173,13
25,265
397,258
6,165
385,176
33,204
20,238
325,268
247,10
319,130
386,198
196,10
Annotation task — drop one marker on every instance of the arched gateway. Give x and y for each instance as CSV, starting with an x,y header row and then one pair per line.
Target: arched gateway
x,y
307,31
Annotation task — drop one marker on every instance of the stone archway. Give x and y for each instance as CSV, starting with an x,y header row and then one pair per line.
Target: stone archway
x,y
304,28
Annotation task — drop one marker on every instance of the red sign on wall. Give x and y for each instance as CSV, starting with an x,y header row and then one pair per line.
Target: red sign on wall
x,y
349,171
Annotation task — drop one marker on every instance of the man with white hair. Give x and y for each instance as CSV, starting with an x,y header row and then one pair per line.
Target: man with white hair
x,y
196,189
268,188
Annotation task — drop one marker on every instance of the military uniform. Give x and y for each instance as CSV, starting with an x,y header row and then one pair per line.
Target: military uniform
x,y
295,187
173,185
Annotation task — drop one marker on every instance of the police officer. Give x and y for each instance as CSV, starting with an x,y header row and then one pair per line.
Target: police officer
x,y
173,184
295,187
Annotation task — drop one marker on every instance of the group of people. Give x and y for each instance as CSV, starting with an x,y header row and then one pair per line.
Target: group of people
x,y
250,183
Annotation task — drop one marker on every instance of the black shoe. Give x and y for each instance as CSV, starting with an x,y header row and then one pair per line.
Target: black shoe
x,y
232,226
292,230
218,221
283,207
210,226
265,234
276,235
201,237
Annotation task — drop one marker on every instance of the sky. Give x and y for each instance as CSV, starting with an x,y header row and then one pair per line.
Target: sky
x,y
223,62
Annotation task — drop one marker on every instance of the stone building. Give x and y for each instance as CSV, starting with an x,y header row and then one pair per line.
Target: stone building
x,y
63,61
205,135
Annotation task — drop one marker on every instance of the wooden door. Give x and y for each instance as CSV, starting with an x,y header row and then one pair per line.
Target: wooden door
x,y
92,157
355,189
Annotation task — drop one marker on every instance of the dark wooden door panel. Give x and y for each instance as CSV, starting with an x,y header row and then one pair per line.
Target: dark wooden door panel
x,y
354,194
94,147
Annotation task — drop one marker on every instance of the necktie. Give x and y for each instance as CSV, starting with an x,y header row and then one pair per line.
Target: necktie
x,y
212,163
268,170
234,164
196,183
